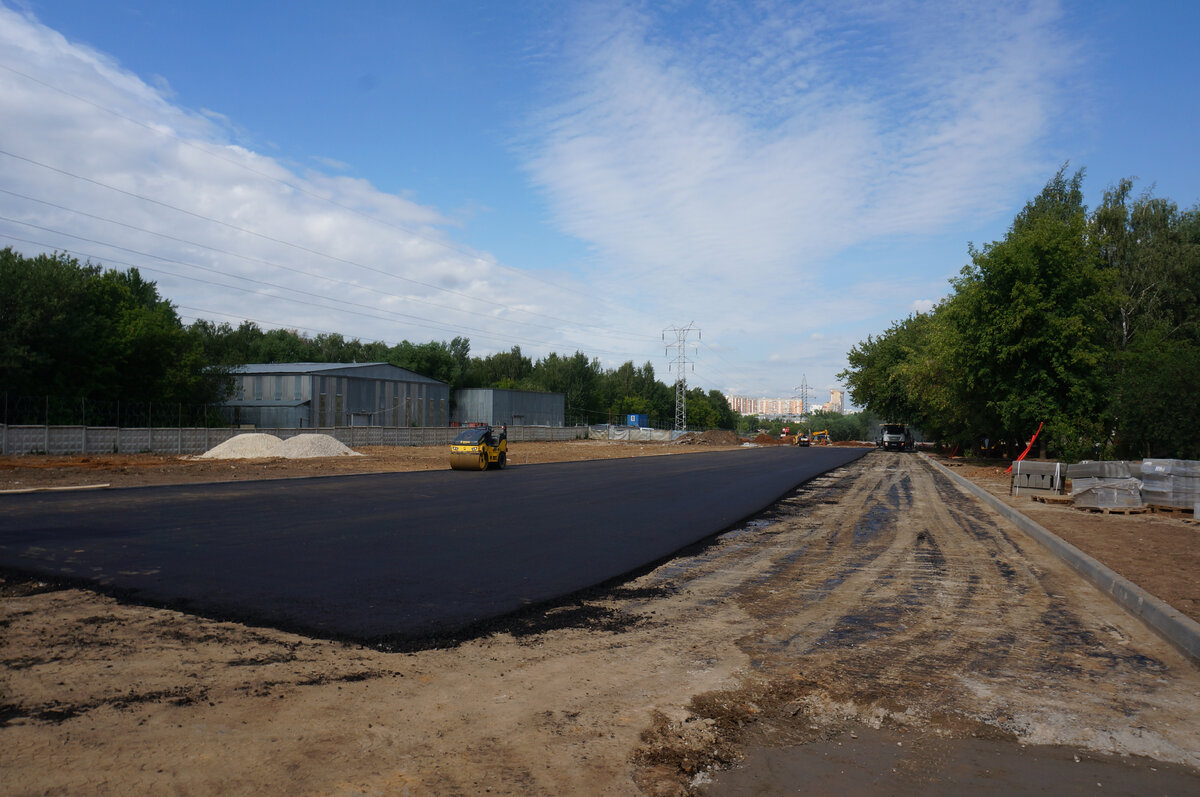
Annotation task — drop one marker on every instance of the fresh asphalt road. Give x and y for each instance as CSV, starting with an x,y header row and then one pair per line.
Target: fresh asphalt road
x,y
396,555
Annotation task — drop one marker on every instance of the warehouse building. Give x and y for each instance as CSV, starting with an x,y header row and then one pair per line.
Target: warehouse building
x,y
307,395
500,407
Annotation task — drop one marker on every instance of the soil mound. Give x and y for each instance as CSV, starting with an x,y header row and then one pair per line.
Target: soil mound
x,y
713,437
768,440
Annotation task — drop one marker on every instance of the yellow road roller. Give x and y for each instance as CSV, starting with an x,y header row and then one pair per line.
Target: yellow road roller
x,y
480,448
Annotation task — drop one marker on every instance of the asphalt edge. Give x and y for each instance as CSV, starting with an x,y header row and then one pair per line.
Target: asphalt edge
x,y
1172,625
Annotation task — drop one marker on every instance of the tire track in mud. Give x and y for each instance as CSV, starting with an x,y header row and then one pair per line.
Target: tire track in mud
x,y
880,593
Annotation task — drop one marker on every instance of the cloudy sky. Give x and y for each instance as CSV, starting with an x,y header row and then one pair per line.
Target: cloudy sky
x,y
787,177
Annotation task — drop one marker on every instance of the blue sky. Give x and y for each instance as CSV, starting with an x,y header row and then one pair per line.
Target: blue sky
x,y
790,177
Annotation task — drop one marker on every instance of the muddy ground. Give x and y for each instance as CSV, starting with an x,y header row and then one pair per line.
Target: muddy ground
x,y
877,619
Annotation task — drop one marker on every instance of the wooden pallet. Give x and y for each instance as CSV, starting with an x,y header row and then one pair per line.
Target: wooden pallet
x,y
1115,510
1173,511
1053,499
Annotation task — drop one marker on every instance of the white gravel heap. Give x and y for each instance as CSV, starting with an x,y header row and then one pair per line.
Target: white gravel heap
x,y
257,445
305,446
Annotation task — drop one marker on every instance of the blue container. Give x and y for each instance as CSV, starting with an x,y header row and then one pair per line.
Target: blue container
x,y
638,420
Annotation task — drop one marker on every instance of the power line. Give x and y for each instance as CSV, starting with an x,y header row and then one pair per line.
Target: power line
x,y
249,258
416,320
282,242
160,131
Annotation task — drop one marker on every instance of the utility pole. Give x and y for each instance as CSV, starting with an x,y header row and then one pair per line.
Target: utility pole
x,y
679,365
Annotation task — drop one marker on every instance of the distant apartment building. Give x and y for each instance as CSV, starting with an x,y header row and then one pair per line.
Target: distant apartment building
x,y
836,403
783,407
768,407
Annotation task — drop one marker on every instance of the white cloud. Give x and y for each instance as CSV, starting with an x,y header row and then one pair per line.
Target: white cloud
x,y
716,159
720,157
101,163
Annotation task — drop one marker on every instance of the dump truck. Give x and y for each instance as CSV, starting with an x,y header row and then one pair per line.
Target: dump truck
x,y
480,448
894,437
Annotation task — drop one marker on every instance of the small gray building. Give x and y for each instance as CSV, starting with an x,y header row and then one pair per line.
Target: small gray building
x,y
307,395
500,407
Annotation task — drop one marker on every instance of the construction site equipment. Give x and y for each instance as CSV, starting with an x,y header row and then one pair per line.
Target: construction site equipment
x,y
821,438
802,439
894,437
480,448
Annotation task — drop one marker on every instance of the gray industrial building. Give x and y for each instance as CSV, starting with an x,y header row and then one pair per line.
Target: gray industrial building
x,y
306,395
500,407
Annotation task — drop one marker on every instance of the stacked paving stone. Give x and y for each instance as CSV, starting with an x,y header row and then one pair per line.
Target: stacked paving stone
x,y
1106,485
1171,483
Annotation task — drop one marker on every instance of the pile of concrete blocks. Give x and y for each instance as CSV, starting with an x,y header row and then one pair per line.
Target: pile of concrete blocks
x,y
1173,483
1037,478
1106,485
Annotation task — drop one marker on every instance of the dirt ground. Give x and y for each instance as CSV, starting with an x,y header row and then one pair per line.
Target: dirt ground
x,y
1158,552
876,610
133,470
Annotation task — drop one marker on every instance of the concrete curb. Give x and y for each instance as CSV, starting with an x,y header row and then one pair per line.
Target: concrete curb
x,y
1177,628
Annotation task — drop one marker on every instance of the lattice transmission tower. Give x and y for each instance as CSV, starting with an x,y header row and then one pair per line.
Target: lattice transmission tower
x,y
679,366
802,392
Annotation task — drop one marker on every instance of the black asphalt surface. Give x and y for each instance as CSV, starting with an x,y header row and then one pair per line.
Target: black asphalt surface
x,y
398,555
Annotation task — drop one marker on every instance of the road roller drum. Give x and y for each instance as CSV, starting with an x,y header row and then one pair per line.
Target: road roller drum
x,y
480,448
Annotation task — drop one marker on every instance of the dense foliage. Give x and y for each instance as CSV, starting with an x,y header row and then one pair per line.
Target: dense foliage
x,y
1088,323
77,330
68,329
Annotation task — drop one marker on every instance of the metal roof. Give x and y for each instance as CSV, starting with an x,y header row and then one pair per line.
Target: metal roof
x,y
342,369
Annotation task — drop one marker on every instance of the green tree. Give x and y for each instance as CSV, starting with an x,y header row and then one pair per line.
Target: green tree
x,y
1031,319
78,330
1154,252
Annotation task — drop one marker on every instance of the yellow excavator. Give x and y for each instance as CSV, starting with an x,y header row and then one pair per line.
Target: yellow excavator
x,y
480,448
821,438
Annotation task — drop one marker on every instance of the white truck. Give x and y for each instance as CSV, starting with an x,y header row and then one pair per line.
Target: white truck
x,y
894,437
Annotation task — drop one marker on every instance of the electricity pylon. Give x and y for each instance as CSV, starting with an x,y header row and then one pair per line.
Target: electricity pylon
x,y
679,365
803,393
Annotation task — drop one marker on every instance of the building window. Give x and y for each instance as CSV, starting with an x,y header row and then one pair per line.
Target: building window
x,y
297,394
278,387
258,388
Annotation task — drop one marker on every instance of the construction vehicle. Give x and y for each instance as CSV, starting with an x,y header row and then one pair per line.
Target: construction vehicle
x,y
480,448
802,439
894,437
821,438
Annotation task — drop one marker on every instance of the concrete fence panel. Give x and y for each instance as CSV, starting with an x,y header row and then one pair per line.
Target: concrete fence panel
x,y
67,440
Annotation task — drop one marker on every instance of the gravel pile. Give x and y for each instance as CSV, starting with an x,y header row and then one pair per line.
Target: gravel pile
x,y
257,445
245,446
305,446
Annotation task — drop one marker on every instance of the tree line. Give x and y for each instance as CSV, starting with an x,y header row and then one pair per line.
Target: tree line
x,y
1085,323
71,329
